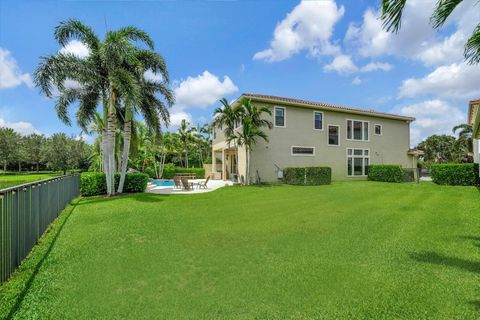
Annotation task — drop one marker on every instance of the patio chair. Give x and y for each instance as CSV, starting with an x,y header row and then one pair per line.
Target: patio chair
x,y
203,184
188,186
178,183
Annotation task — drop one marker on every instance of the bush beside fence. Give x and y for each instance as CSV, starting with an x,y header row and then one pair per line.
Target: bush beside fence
x,y
94,183
170,170
385,172
308,176
25,213
455,174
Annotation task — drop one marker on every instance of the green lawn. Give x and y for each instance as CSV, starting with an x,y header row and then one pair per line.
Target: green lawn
x,y
11,180
358,250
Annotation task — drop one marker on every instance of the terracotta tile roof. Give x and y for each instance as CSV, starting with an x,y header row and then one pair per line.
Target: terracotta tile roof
x,y
321,105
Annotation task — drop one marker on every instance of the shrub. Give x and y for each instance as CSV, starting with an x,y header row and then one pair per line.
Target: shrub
x,y
170,170
385,172
134,182
455,174
94,183
308,176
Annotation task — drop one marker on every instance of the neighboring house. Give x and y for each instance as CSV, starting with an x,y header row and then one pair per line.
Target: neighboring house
x,y
474,121
307,133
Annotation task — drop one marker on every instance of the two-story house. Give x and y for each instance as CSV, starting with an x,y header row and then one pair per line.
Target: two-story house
x,y
307,133
474,121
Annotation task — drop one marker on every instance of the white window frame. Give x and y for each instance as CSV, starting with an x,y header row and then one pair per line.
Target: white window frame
x,y
381,129
302,155
328,135
275,117
323,122
353,156
363,130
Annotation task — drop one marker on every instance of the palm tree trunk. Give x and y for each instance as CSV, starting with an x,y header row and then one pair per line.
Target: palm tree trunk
x,y
4,166
186,157
38,167
127,132
247,164
110,147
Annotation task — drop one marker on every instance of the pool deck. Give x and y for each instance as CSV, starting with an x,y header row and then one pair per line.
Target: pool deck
x,y
211,186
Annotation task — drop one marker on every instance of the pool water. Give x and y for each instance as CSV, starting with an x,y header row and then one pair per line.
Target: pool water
x,y
163,183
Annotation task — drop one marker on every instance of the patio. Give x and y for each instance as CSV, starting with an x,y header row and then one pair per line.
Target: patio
x,y
211,186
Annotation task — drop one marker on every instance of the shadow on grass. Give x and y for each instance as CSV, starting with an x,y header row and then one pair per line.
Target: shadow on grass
x,y
142,197
28,284
443,260
475,304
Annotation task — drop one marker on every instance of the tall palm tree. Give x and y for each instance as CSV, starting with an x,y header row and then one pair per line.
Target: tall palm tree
x,y
392,11
102,77
187,135
252,123
465,136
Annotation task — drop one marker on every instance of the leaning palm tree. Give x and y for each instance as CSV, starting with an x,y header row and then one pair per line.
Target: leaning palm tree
x,y
392,11
102,78
187,136
252,123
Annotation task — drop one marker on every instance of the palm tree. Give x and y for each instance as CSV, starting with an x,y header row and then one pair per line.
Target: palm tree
x,y
252,123
187,135
465,136
392,11
153,110
104,76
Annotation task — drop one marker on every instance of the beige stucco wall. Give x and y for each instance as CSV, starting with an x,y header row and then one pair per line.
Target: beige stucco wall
x,y
389,148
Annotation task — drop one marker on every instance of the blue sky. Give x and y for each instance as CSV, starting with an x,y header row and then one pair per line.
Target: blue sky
x,y
329,51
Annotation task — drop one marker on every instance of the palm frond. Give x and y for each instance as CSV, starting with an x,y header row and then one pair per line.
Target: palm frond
x,y
391,16
135,34
442,11
472,47
75,29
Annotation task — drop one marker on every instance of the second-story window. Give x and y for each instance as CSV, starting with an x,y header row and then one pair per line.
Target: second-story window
x,y
378,129
333,135
318,120
280,117
357,130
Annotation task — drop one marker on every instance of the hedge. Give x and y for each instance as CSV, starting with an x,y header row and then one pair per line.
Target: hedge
x,y
455,174
308,176
385,172
170,170
94,183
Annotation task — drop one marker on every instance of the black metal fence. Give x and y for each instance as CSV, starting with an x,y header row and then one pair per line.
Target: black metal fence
x,y
25,213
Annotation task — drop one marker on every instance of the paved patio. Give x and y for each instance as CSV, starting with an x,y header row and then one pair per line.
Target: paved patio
x,y
211,186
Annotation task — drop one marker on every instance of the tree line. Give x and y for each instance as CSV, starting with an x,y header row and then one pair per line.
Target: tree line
x,y
36,152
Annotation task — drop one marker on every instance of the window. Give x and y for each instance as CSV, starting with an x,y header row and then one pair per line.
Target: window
x,y
214,133
280,117
357,162
357,130
317,120
333,135
237,124
303,151
378,129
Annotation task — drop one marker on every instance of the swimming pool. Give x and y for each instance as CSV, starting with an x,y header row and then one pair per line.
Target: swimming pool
x,y
163,183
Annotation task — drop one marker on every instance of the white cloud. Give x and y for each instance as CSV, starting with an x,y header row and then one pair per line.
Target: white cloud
x,y
457,80
342,64
21,127
149,75
309,26
177,117
447,51
202,91
77,48
356,81
432,117
374,66
371,40
10,74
